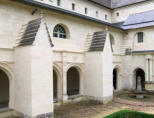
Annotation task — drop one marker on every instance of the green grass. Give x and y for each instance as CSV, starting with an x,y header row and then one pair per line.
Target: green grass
x,y
129,114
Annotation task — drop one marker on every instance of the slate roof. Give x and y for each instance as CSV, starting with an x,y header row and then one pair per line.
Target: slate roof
x,y
119,24
139,20
112,4
29,34
122,3
98,41
105,3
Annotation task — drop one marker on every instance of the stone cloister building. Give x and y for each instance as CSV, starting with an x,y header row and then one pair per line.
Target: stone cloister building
x,y
60,51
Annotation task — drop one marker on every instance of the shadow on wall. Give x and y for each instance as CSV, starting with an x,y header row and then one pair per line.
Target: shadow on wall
x,y
4,89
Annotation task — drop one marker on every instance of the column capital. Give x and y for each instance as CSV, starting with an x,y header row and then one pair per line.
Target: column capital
x,y
148,57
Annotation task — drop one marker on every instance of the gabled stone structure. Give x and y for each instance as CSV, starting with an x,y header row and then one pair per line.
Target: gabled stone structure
x,y
98,68
32,71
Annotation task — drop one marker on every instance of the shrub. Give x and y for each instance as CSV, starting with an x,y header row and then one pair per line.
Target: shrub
x,y
129,114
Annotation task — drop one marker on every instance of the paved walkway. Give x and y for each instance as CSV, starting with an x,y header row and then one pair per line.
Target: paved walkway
x,y
90,109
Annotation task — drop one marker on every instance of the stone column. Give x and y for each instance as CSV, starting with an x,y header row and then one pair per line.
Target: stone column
x,y
64,75
147,70
151,70
149,84
65,97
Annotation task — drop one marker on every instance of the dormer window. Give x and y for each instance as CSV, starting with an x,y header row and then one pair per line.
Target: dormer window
x,y
140,37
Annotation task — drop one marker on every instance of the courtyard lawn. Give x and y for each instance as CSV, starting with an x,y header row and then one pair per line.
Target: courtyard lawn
x,y
129,114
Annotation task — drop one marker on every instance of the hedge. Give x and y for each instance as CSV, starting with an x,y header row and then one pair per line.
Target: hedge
x,y
129,114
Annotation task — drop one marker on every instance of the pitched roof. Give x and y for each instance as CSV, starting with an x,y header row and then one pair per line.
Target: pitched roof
x,y
117,3
98,41
122,3
118,24
30,33
139,20
106,3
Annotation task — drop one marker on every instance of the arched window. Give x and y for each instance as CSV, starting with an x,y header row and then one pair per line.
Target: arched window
x,y
59,32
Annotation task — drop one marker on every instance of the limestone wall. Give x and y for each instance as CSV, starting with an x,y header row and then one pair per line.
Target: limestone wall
x,y
94,75
22,80
147,44
80,6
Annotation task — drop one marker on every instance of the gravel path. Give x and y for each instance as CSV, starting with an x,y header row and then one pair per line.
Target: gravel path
x,y
91,109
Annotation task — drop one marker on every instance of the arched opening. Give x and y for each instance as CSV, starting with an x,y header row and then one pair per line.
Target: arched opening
x,y
115,78
73,82
140,73
4,89
55,86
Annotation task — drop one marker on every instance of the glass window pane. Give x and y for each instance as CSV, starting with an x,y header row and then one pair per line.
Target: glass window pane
x,y
140,37
55,34
59,31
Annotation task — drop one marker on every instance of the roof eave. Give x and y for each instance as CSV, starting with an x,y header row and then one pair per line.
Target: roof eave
x,y
64,11
142,51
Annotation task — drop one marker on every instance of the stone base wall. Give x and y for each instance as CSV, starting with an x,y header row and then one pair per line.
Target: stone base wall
x,y
149,86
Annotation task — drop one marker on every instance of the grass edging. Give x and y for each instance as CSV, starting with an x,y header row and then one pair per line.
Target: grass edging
x,y
130,114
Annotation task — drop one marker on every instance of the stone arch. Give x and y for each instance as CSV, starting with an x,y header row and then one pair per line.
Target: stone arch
x,y
58,70
6,72
139,72
78,69
77,66
65,28
57,89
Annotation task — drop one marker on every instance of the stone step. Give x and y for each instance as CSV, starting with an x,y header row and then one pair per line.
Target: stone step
x,y
8,113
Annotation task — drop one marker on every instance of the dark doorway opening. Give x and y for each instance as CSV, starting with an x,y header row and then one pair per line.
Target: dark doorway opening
x,y
4,90
55,85
73,82
115,73
141,73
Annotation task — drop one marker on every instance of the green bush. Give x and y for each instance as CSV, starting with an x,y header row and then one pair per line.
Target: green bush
x,y
130,114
